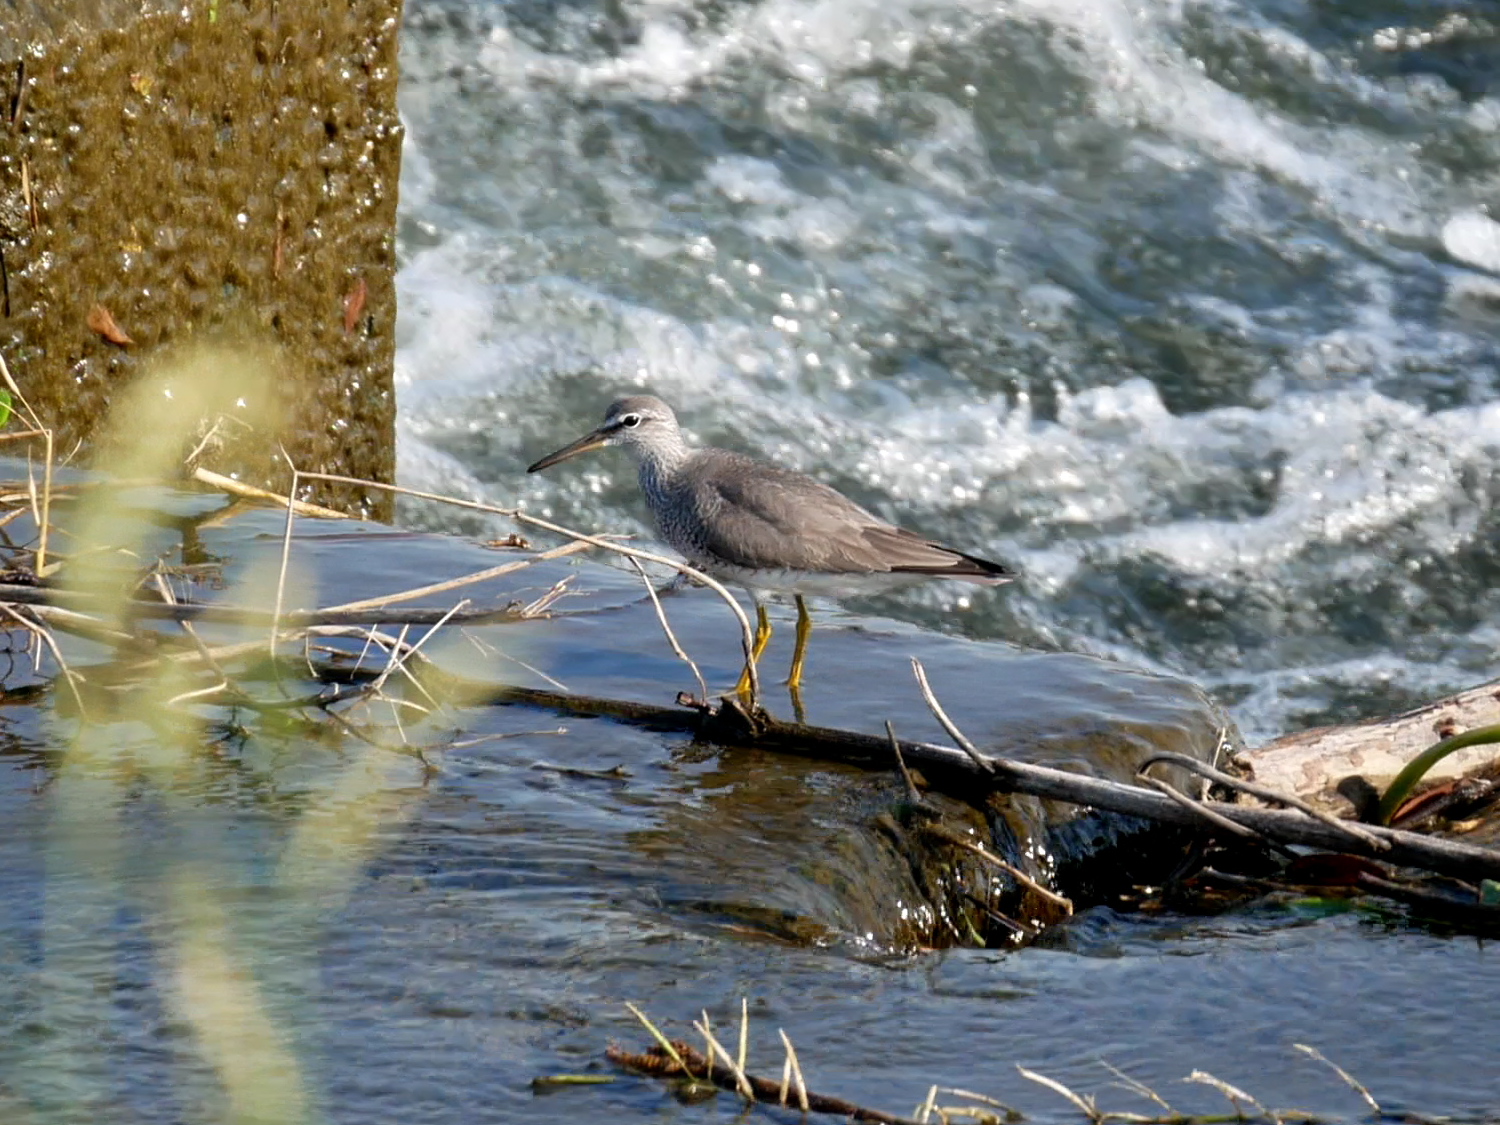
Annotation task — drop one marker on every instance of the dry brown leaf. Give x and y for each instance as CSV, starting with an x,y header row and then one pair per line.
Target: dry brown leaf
x,y
354,303
103,322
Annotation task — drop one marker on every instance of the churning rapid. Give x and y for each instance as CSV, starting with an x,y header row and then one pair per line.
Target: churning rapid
x,y
1182,308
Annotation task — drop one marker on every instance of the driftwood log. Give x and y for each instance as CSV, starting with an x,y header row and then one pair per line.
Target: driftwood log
x,y
1311,763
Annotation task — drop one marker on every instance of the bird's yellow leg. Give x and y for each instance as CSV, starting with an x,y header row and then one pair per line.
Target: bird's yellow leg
x,y
799,654
762,638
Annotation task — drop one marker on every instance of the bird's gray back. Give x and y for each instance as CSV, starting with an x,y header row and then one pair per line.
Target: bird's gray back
x,y
725,509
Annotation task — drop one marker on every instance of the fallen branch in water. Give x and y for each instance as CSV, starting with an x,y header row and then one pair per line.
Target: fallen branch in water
x,y
954,772
693,1064
967,773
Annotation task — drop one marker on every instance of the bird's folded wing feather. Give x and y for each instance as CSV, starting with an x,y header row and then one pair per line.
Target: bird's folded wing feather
x,y
755,515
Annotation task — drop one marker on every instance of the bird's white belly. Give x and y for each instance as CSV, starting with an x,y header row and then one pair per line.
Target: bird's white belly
x,y
779,580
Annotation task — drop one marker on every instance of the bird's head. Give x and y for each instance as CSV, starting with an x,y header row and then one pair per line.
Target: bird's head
x,y
640,421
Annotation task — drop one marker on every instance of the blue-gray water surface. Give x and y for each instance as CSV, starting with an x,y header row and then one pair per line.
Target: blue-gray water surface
x,y
1187,309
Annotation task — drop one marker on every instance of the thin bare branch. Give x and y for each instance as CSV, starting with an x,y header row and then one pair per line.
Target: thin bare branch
x,y
666,627
791,1058
1218,820
1360,833
957,839
747,633
250,492
1370,1101
455,583
948,724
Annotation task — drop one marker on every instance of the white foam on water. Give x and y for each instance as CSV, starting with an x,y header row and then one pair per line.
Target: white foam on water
x,y
1128,53
514,329
1473,238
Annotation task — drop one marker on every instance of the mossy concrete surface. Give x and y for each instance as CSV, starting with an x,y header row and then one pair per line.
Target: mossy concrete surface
x,y
214,171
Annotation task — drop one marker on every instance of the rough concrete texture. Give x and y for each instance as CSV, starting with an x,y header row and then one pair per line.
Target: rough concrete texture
x,y
217,171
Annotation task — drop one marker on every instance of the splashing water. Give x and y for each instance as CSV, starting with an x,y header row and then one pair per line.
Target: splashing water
x,y
1180,308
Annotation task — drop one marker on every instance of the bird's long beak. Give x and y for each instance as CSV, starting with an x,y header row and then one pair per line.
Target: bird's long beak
x,y
595,440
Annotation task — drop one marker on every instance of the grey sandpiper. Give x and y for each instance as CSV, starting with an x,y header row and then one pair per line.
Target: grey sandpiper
x,y
764,528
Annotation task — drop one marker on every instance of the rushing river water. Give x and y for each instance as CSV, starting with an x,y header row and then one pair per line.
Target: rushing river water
x,y
1170,305
1181,308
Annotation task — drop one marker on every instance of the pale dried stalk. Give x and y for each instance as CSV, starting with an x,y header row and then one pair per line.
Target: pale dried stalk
x,y
250,492
957,840
747,633
791,1058
744,1030
1233,1094
1344,1074
46,638
948,724
286,556
1084,1105
661,616
454,583
741,1083
666,1044
44,514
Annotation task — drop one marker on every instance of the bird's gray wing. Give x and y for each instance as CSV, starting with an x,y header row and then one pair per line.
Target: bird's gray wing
x,y
750,514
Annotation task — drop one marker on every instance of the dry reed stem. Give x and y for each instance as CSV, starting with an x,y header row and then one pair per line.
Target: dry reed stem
x,y
47,639
1139,1088
456,583
250,492
286,555
1082,1103
1216,819
948,724
655,1061
661,616
791,1058
923,1112
44,513
744,1030
747,634
982,1113
1265,793
656,1034
199,693
942,831
398,662
1344,1074
225,614
81,625
1011,1113
741,1083
1233,1094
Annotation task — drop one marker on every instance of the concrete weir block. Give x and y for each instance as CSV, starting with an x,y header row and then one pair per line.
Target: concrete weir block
x,y
214,172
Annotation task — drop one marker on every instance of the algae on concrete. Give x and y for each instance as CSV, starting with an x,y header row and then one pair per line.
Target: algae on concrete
x,y
213,171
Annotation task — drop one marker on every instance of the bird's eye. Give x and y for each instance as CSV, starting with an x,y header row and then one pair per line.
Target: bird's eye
x,y
630,421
